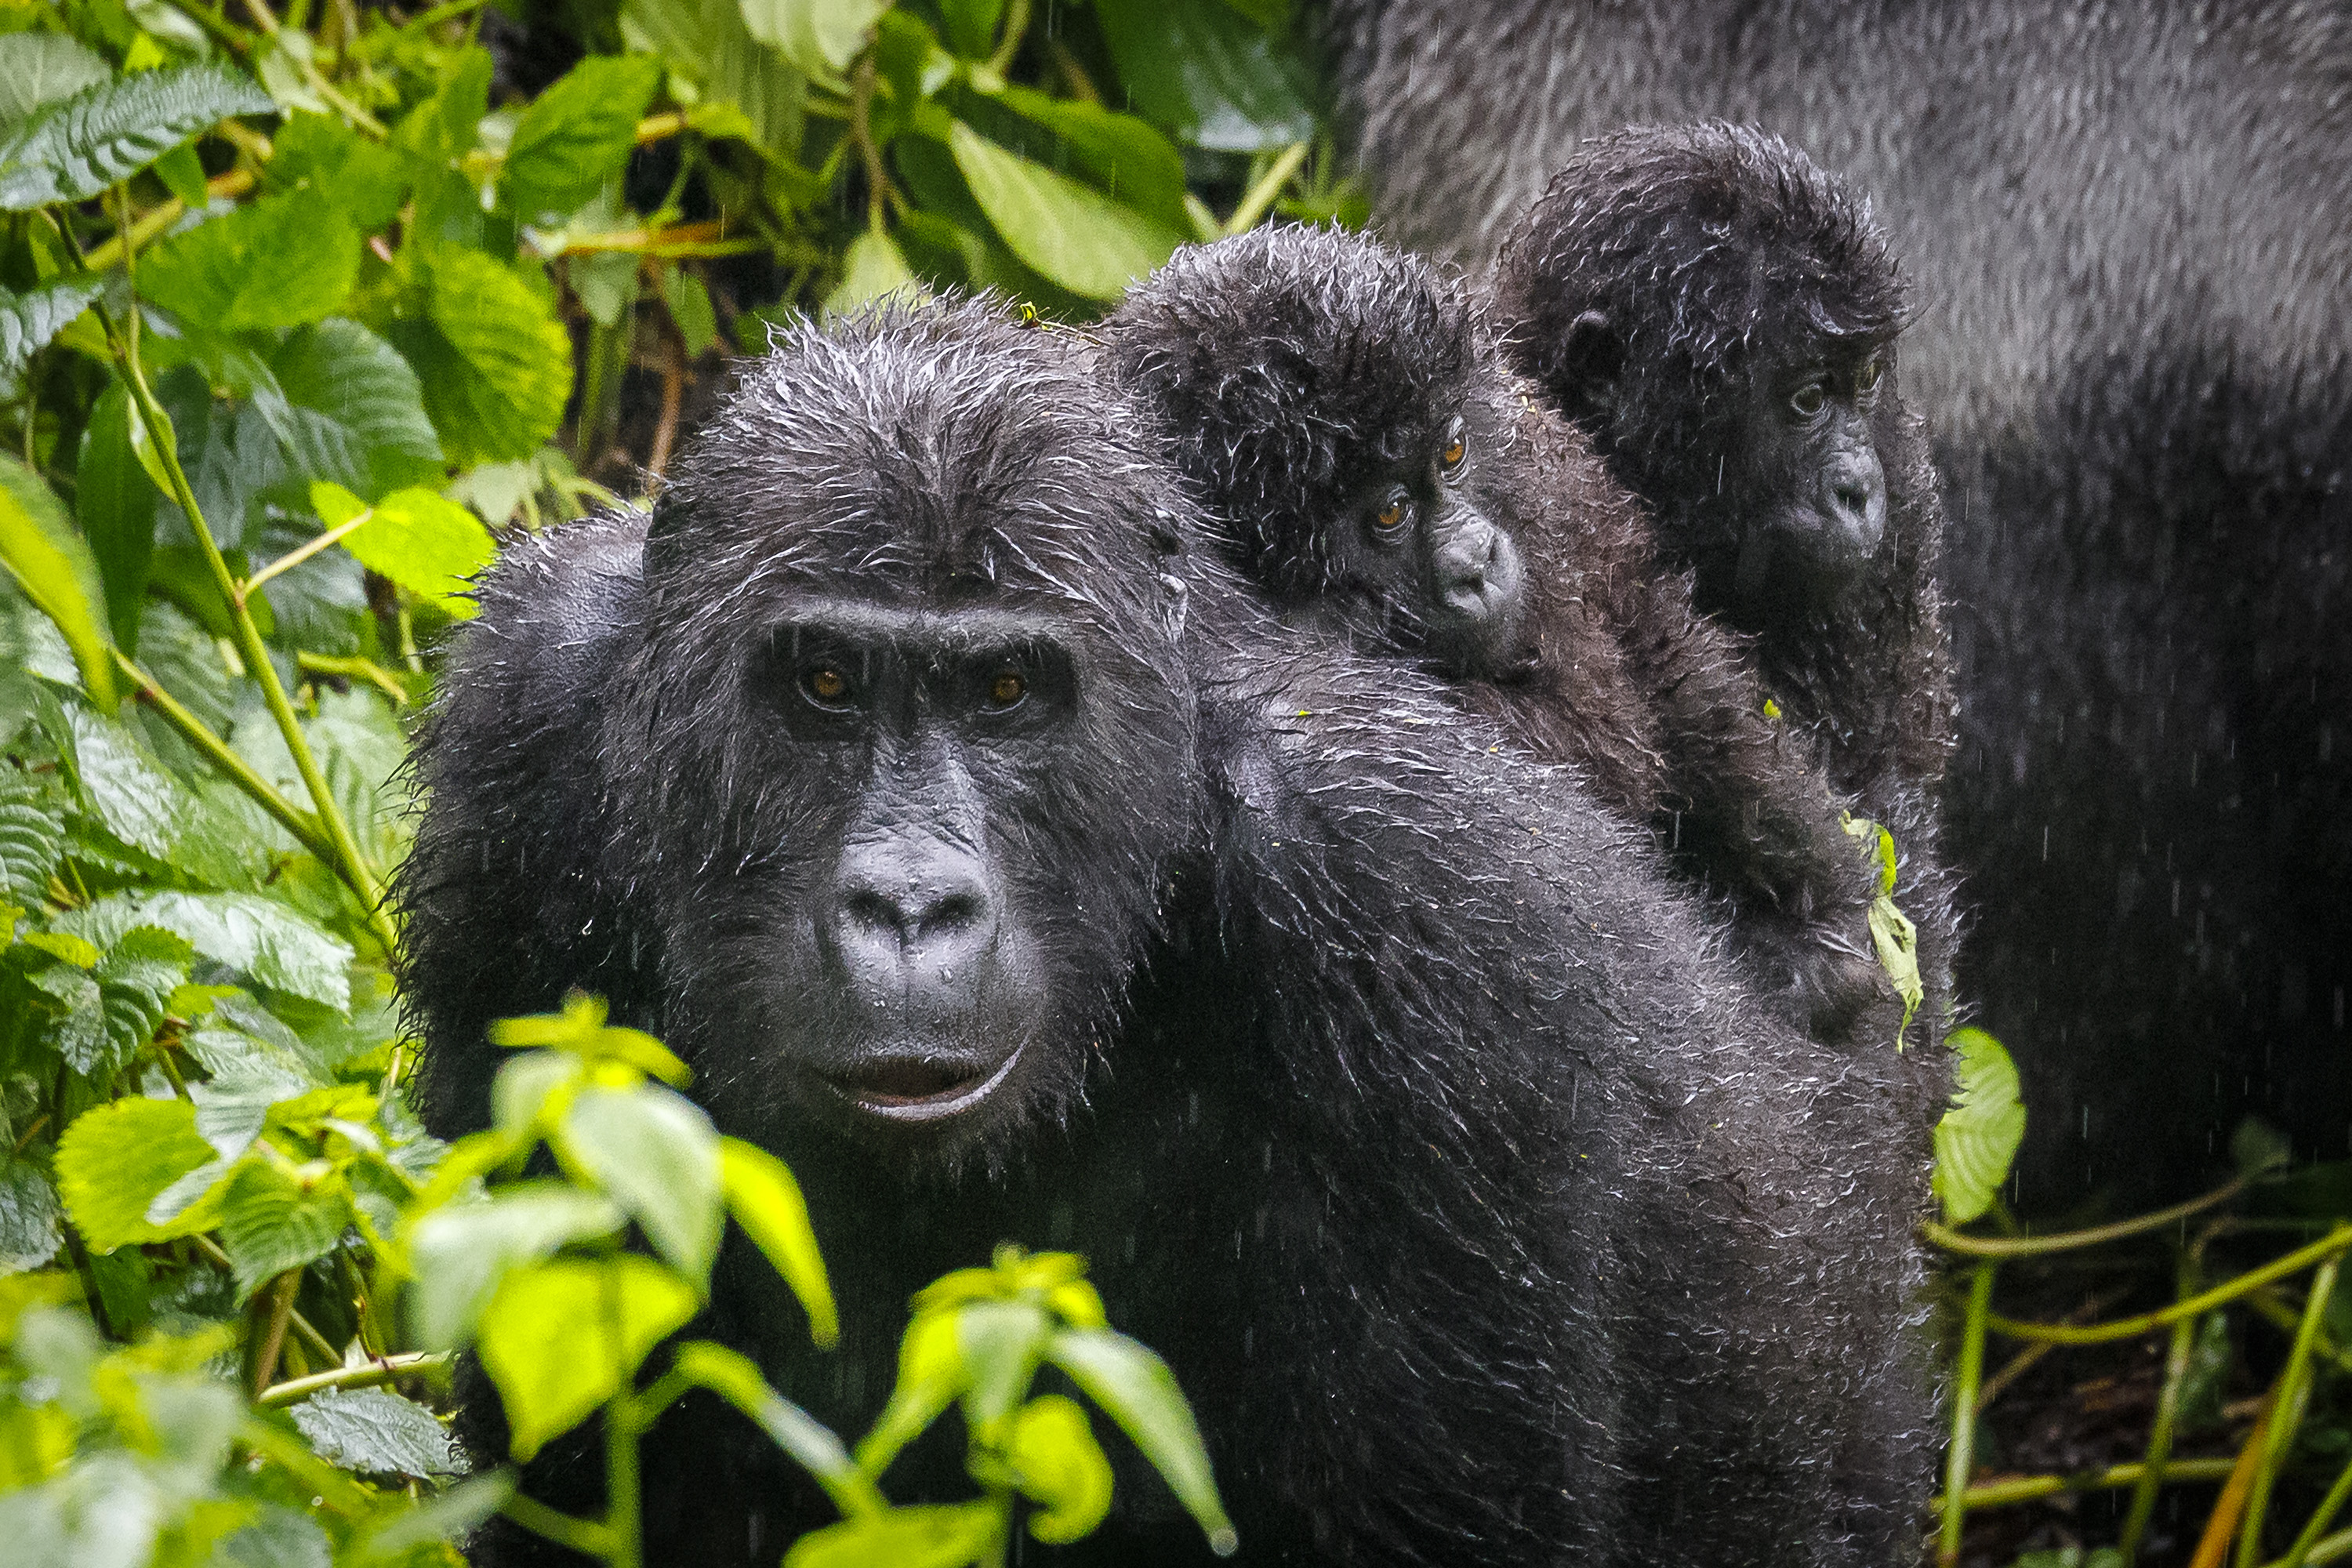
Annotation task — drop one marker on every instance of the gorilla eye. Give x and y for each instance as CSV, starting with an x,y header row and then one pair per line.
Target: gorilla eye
x,y
1457,446
1867,377
826,687
1394,515
1809,400
1006,688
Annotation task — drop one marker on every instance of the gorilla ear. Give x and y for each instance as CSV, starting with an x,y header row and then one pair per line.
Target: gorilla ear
x,y
1591,356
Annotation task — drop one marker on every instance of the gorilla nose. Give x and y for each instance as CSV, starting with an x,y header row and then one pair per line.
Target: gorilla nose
x,y
1856,502
916,927
1465,567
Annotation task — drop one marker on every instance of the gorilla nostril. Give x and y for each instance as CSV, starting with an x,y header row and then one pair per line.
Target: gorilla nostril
x,y
1851,497
953,913
868,909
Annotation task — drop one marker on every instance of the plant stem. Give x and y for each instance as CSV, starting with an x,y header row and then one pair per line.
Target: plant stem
x,y
1962,1460
1016,23
197,733
623,1423
861,131
273,1334
2214,1544
1261,196
2330,1246
2031,1488
346,858
582,1535
2168,1413
2286,1418
307,549
372,1375
2307,1543
268,21
2034,1245
351,666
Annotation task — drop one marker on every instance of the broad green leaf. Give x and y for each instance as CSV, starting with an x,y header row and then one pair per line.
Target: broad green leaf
x,y
31,842
1123,155
872,268
930,1375
446,127
766,1201
580,1030
449,1516
52,563
430,546
355,411
320,152
940,1536
36,68
256,936
811,1445
460,1254
375,1431
706,41
271,1222
277,1537
134,979
117,1159
819,36
1135,1386
1000,1343
495,363
559,1337
578,133
970,26
1202,72
1061,1468
658,1155
182,174
2257,1148
28,321
124,787
29,1236
71,150
232,1109
689,308
282,261
114,502
1978,1136
1070,233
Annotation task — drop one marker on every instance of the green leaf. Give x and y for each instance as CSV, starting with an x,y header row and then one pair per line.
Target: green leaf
x,y
271,1222
942,1536
810,1444
460,1254
355,411
1141,1394
1978,1136
1000,1343
29,1236
282,261
451,1516
124,787
971,25
2257,1148
114,500
182,174
1204,73
28,321
430,546
1061,1468
375,1431
267,940
52,563
31,842
766,1201
117,1159
706,41
1071,234
277,1537
44,67
560,1337
930,1375
495,363
71,150
871,268
134,979
320,152
445,127
689,308
819,36
658,1155
1123,155
578,133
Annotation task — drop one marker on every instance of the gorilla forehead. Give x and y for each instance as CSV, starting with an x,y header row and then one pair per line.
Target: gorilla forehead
x,y
933,454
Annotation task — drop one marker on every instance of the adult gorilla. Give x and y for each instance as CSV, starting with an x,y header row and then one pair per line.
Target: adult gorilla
x,y
2128,226
1003,866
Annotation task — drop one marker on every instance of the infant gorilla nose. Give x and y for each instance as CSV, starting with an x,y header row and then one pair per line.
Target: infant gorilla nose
x,y
1853,504
1475,570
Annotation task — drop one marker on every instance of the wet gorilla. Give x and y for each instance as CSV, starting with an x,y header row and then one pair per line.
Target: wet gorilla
x,y
1375,466
2132,264
1721,315
1002,866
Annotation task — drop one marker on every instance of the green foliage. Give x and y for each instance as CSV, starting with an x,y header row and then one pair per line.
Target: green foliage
x,y
1978,1136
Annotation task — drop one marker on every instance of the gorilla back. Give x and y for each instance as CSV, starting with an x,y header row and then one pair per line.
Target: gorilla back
x,y
996,862
2129,236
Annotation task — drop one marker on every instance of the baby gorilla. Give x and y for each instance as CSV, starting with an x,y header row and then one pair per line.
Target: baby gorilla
x,y
1720,316
1376,470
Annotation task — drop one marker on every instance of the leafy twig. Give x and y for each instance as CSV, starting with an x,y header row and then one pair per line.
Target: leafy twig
x,y
2331,1246
368,1375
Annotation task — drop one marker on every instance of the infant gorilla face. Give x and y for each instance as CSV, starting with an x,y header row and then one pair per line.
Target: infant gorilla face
x,y
1419,540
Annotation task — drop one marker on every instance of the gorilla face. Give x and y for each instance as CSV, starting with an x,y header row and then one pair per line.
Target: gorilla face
x,y
925,738
1812,476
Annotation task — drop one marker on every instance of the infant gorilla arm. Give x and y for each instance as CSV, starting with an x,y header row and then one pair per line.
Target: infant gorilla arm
x,y
1351,426
1394,1101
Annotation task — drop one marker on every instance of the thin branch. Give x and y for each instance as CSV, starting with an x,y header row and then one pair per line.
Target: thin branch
x,y
673,378
266,20
2333,1245
1960,1462
368,1375
351,666
2030,1489
1263,194
2223,1523
582,1535
1008,44
2034,1245
307,549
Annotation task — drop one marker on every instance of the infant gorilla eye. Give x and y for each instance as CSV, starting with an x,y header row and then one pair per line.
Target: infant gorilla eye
x,y
1006,688
1867,377
1457,446
1393,516
1808,401
825,686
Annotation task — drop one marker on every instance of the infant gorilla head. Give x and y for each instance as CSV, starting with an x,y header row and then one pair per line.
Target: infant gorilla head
x,y
1338,406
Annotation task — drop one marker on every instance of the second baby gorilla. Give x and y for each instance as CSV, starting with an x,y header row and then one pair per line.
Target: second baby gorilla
x,y
1002,865
1374,465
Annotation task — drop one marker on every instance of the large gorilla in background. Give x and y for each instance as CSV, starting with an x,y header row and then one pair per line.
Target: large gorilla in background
x,y
999,861
2128,227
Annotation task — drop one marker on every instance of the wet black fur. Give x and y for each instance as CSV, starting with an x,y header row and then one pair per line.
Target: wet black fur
x,y
1716,253
1481,1215
2127,232
1290,363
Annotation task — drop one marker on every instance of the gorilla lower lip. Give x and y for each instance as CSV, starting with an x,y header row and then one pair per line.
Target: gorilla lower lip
x,y
917,1090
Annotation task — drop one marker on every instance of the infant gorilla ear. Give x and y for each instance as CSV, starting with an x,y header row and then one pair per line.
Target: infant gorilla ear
x,y
1338,407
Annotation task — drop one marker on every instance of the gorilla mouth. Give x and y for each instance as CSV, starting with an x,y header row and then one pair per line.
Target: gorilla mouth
x,y
921,1089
